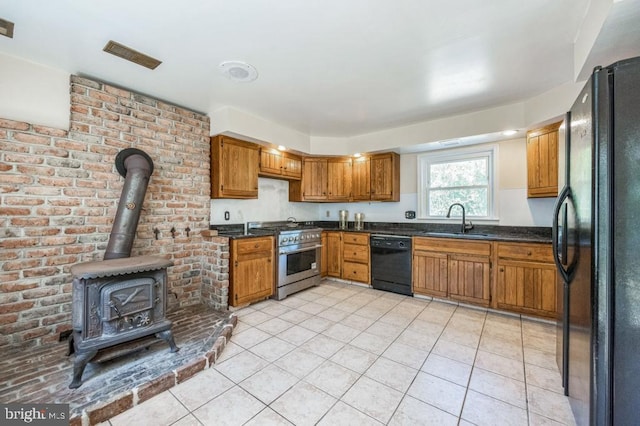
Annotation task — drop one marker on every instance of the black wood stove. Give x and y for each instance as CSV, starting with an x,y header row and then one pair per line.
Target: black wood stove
x,y
120,303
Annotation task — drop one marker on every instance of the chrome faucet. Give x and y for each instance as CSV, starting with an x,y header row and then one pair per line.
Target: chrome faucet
x,y
464,227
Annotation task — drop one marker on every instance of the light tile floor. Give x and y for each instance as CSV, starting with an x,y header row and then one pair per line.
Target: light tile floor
x,y
340,354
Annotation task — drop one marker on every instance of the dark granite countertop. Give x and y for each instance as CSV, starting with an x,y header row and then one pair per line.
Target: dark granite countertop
x,y
529,234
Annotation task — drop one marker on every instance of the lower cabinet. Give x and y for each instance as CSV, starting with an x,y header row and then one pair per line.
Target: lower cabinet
x,y
356,262
526,279
455,269
252,270
334,253
347,255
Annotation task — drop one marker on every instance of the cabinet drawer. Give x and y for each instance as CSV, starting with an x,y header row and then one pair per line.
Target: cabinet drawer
x,y
452,245
355,272
532,252
355,253
252,245
352,238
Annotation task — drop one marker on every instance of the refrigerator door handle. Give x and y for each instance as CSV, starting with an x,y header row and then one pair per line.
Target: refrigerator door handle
x,y
564,272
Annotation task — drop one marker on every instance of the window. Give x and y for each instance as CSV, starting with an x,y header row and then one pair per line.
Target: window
x,y
464,176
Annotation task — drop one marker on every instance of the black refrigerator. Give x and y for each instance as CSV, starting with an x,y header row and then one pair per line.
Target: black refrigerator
x,y
596,237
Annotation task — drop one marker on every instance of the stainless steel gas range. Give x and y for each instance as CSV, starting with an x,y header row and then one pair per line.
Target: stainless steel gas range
x,y
299,255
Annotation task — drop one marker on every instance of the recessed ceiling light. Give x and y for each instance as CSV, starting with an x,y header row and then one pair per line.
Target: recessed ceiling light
x,y
357,155
282,148
6,28
241,72
131,55
509,132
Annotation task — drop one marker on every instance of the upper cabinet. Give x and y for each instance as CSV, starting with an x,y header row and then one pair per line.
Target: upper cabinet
x,y
385,177
338,179
341,179
234,168
542,162
280,165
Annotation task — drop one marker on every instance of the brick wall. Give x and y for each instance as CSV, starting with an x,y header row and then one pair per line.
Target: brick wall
x,y
215,271
58,196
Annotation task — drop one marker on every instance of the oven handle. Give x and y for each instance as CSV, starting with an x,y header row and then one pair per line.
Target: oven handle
x,y
317,246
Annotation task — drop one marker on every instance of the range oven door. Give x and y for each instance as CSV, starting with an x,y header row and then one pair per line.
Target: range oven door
x,y
298,262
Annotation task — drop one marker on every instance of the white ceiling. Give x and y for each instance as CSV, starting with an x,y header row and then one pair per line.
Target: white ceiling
x,y
326,67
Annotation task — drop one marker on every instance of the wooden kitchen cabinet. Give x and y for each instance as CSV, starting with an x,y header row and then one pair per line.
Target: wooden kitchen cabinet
x,y
323,254
252,271
385,177
234,168
526,279
361,179
542,162
356,263
339,179
313,185
334,253
281,165
452,268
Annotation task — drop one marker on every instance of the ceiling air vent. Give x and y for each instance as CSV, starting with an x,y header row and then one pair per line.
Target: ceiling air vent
x,y
131,55
6,28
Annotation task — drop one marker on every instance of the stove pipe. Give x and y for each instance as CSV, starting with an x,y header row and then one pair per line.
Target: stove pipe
x,y
136,167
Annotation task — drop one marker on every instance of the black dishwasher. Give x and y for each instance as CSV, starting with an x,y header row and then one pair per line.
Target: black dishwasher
x,y
391,263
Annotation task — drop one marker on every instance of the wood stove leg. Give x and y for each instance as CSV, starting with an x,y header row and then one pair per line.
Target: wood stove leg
x,y
81,361
167,336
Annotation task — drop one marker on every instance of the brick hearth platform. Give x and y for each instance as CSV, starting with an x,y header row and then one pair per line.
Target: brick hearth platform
x,y
42,374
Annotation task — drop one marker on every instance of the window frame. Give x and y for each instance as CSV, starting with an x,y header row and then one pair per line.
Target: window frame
x,y
425,160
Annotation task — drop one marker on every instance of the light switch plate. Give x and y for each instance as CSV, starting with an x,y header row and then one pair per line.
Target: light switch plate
x,y
409,214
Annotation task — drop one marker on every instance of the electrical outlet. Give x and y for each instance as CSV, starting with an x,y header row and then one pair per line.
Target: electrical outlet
x,y
328,213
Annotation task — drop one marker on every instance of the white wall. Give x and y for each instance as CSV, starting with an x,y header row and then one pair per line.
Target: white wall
x,y
272,204
33,93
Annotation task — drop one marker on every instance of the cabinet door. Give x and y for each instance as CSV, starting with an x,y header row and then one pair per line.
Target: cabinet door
x,y
542,162
234,171
470,279
361,179
314,179
252,271
334,254
253,279
385,177
270,162
430,273
339,179
526,287
324,257
291,166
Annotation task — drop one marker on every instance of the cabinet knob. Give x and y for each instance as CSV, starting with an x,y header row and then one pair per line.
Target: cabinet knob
x,y
501,269
256,245
529,253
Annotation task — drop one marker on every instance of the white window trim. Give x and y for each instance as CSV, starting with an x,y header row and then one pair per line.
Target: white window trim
x,y
425,159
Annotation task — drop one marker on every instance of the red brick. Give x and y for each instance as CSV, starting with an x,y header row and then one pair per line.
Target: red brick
x,y
110,409
9,243
71,145
23,201
14,125
41,232
51,131
85,100
51,152
57,241
14,287
16,307
42,190
64,202
31,138
55,181
36,171
80,230
30,221
53,211
156,386
40,272
187,371
103,96
8,319
61,260
21,264
27,159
